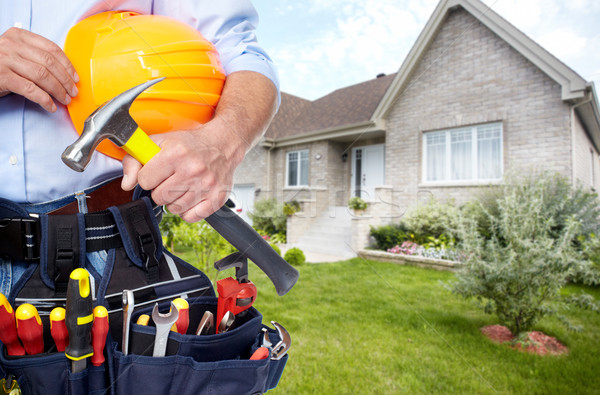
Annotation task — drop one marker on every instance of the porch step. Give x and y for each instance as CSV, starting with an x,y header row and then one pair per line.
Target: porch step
x,y
329,237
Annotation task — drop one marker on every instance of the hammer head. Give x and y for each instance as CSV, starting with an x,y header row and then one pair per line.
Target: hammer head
x,y
111,120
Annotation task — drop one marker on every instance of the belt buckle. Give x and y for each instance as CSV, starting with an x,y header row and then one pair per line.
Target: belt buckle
x,y
18,238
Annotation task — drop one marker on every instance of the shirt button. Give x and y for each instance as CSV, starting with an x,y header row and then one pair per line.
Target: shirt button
x,y
13,160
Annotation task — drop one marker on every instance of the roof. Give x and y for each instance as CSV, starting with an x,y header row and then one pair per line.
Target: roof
x,y
347,106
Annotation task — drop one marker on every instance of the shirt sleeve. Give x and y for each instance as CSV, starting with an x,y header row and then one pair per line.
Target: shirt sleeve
x,y
230,25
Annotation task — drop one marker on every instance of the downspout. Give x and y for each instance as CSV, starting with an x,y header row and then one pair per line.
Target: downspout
x,y
271,145
573,115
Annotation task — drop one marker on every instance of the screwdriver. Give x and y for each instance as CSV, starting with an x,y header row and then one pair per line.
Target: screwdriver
x,y
8,329
30,329
58,328
143,319
79,318
99,332
183,320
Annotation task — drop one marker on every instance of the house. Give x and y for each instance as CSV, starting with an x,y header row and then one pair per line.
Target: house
x,y
473,98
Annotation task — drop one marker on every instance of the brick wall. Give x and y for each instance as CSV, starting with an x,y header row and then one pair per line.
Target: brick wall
x,y
471,76
585,158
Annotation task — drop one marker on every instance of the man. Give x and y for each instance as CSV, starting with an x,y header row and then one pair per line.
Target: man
x,y
192,174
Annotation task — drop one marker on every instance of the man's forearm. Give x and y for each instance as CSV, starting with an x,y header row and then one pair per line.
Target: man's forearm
x,y
247,106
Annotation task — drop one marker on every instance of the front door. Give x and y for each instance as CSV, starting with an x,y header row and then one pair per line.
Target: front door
x,y
368,164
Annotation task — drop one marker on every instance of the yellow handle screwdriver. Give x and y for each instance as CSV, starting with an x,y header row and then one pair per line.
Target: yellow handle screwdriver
x,y
79,318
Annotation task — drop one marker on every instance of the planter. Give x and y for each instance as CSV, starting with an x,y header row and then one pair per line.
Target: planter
x,y
401,259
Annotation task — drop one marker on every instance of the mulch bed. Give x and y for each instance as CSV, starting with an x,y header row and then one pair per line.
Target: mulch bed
x,y
535,343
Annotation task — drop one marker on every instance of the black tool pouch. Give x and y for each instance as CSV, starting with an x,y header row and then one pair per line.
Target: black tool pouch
x,y
135,260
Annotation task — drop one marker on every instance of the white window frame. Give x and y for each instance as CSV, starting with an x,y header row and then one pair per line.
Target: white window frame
x,y
300,171
474,155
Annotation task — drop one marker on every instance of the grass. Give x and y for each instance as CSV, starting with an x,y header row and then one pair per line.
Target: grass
x,y
378,328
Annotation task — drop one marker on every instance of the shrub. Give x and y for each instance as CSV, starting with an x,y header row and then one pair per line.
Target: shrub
x,y
167,225
388,236
208,245
432,219
518,271
268,216
291,207
294,256
356,203
276,248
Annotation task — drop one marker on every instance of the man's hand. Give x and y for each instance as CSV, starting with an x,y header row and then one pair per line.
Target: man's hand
x,y
193,173
36,68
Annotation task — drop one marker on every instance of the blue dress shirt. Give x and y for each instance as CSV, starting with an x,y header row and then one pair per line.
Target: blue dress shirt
x,y
32,140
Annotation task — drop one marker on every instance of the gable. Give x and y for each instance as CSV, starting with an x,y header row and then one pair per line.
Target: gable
x,y
573,88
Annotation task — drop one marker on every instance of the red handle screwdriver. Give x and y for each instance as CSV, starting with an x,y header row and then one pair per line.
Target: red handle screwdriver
x,y
30,329
183,320
99,332
8,329
58,328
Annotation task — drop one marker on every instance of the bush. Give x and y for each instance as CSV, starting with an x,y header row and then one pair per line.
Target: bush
x,y
208,245
276,248
388,236
294,256
268,216
519,269
432,219
291,207
356,203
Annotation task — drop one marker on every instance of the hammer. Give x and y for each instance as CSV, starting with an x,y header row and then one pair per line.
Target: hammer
x,y
113,121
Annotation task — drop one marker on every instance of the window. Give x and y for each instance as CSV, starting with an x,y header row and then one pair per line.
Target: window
x,y
463,154
297,168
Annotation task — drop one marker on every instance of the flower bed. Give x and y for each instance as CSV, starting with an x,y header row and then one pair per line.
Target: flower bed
x,y
415,260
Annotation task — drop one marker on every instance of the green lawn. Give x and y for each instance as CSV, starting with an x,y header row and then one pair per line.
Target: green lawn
x,y
364,327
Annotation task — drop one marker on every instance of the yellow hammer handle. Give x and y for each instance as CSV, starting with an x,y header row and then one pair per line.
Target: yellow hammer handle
x,y
141,147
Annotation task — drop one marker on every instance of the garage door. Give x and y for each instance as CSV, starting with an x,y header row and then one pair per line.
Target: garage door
x,y
244,195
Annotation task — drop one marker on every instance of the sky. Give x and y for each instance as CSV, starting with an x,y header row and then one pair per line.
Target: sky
x,y
323,45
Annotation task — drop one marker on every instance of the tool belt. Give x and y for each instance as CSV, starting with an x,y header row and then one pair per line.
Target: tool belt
x,y
51,246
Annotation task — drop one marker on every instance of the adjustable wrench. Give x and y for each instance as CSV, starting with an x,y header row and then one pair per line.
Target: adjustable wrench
x,y
281,348
163,323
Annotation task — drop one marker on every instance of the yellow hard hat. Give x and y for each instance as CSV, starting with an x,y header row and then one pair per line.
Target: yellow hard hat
x,y
114,51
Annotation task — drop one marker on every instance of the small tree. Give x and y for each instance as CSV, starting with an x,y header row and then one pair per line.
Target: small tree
x,y
208,245
518,270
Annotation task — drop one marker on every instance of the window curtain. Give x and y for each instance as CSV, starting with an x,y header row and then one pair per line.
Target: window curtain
x,y
436,156
489,160
461,154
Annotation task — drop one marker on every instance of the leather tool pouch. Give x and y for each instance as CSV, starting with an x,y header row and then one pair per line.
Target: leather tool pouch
x,y
128,239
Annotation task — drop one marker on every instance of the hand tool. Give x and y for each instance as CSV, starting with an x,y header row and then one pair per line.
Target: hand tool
x,y
143,319
58,328
128,306
99,332
260,353
183,321
9,386
166,297
206,324
163,323
235,295
113,121
79,318
30,329
8,328
282,347
226,322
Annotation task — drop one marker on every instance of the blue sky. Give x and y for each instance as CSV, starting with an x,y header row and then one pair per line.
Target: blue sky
x,y
323,45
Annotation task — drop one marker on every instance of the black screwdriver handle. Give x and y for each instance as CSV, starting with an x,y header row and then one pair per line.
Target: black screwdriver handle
x,y
79,315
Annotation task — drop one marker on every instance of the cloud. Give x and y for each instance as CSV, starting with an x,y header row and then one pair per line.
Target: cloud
x,y
563,43
364,38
